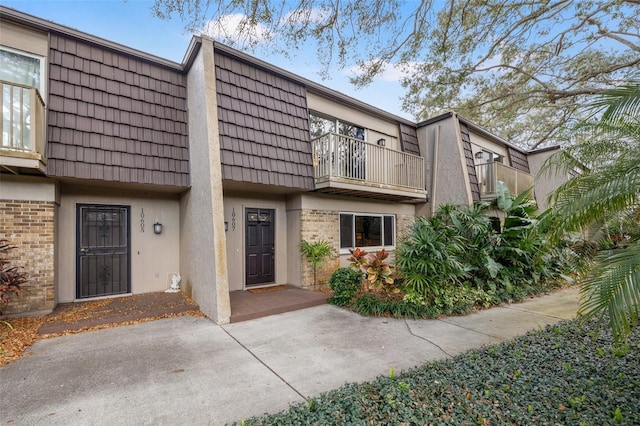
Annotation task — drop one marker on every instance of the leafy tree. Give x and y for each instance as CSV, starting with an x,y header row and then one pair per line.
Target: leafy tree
x,y
520,69
608,190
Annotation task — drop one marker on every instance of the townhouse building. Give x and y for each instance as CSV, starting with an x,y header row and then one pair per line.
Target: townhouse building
x,y
119,169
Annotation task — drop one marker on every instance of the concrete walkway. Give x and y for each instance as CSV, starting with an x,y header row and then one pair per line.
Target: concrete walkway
x,y
187,370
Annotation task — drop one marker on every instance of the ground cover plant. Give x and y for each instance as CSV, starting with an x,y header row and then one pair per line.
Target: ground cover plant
x,y
559,375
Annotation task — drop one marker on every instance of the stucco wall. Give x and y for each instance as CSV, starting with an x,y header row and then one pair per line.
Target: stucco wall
x,y
376,127
203,242
478,142
234,214
546,183
446,165
153,256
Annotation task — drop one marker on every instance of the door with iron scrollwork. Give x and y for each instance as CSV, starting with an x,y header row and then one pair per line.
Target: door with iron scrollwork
x,y
103,246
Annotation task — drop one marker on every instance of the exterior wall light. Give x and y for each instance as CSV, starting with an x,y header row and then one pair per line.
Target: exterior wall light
x,y
157,228
382,142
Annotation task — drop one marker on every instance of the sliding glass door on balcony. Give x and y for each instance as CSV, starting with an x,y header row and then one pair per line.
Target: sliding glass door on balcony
x,y
343,157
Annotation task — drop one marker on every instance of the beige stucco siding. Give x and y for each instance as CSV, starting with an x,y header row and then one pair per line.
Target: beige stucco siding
x,y
545,183
447,165
479,142
28,188
376,127
203,243
152,256
234,214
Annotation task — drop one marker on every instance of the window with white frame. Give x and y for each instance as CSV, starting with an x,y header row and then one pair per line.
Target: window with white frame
x,y
19,71
21,67
321,124
367,230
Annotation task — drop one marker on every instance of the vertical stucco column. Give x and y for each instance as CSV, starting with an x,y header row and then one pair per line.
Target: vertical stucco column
x,y
203,241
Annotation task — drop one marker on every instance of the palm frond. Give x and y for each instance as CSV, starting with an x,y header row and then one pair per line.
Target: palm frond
x,y
592,197
614,289
619,104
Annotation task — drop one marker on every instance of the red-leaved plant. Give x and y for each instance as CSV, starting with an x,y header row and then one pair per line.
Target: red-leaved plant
x,y
378,274
11,277
358,258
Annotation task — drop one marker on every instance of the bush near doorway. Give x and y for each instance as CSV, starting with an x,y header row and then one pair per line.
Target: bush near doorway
x,y
12,277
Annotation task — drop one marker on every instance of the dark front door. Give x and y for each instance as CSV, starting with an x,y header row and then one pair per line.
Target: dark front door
x,y
259,245
102,251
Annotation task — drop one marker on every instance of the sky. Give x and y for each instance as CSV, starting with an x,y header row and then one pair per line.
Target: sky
x,y
132,24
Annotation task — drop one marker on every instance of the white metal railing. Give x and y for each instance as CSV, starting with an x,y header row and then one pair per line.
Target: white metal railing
x,y
490,173
344,157
22,124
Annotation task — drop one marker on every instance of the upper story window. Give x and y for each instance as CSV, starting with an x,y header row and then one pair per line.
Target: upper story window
x,y
486,156
20,73
21,68
320,124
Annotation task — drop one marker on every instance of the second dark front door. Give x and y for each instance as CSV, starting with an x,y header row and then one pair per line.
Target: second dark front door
x,y
259,246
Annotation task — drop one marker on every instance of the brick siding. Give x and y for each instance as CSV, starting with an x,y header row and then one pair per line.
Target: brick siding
x,y
30,226
403,226
318,225
325,225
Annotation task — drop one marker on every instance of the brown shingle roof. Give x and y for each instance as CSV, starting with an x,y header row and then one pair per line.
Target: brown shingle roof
x,y
264,127
115,117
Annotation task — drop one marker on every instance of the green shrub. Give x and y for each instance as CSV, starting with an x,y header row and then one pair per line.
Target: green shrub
x,y
460,300
461,244
378,305
345,283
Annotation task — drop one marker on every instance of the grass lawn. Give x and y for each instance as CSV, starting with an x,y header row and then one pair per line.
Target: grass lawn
x,y
557,376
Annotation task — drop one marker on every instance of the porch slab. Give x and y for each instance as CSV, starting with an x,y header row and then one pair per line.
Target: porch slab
x,y
246,305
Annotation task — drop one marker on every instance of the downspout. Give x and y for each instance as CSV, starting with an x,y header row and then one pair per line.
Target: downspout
x,y
434,169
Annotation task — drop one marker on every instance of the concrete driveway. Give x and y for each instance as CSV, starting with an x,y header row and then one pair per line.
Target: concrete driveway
x,y
188,370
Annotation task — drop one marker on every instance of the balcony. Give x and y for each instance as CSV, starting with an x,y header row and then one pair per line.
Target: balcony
x,y
348,166
490,173
22,128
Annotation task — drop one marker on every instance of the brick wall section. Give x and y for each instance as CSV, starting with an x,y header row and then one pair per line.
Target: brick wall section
x,y
324,225
403,226
29,225
318,225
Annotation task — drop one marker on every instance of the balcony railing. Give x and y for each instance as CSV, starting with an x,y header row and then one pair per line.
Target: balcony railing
x,y
339,158
22,126
490,173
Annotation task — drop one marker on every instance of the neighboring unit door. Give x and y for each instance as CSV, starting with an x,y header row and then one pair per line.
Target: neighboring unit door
x,y
259,246
102,251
